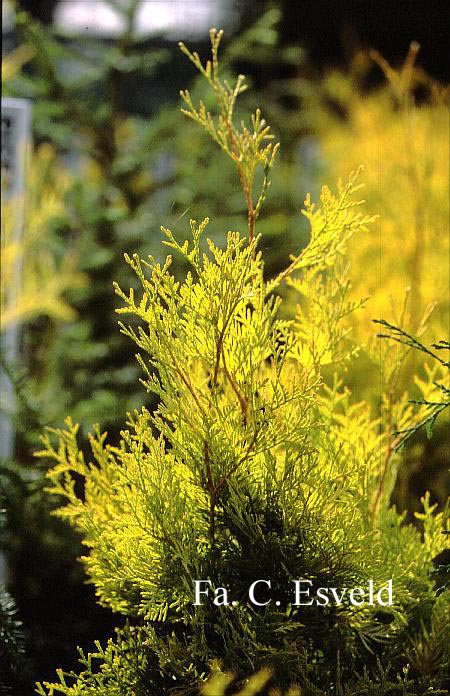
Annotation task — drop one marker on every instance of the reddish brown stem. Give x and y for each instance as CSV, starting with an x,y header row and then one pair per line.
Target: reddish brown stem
x,y
392,444
212,494
225,477
251,213
183,378
241,398
218,353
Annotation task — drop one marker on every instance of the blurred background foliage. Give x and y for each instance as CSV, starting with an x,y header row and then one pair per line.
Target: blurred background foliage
x,y
113,159
399,131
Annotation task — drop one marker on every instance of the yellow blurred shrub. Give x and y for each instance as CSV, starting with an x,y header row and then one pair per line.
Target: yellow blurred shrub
x,y
403,262
36,271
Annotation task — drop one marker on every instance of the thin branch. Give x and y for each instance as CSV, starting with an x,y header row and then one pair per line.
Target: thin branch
x,y
212,494
184,378
243,402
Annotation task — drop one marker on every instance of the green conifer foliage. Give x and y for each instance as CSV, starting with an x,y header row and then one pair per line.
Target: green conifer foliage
x,y
254,465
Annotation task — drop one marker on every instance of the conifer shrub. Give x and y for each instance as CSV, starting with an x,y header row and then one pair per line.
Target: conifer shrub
x,y
127,174
257,463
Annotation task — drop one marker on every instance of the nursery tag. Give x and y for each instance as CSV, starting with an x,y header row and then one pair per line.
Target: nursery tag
x,y
16,133
16,126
